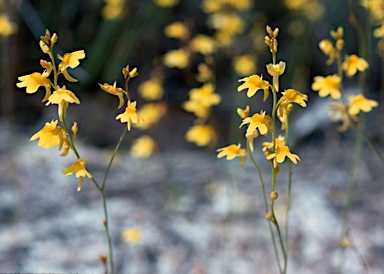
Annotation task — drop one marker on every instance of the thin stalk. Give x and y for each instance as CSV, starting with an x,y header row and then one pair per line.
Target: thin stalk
x,y
370,144
289,198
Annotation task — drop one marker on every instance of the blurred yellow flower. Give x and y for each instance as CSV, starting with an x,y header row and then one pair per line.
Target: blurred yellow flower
x,y
113,9
227,24
33,81
212,6
196,107
231,152
50,135
329,85
205,95
261,121
166,3
328,49
353,63
379,32
178,58
339,112
62,97
375,7
70,60
177,30
151,114
151,89
360,103
112,89
131,235
202,135
143,147
7,28
244,113
79,168
204,74
129,115
244,64
293,96
253,84
203,44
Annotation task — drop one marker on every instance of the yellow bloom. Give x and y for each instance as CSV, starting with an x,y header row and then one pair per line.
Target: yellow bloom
x,y
79,168
327,48
353,63
282,113
7,28
203,44
276,70
261,121
329,85
130,115
379,32
177,30
202,135
244,113
119,92
280,153
143,147
253,84
339,112
205,95
293,96
70,60
113,9
360,103
62,97
151,89
151,114
178,58
166,3
50,135
196,107
131,235
231,152
33,81
229,23
204,74
244,64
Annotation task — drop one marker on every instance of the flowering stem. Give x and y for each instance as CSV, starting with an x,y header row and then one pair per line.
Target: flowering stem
x,y
289,197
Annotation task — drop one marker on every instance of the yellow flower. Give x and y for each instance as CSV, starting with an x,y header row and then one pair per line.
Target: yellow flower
x,y
244,64
33,81
7,28
280,153
282,113
329,85
70,60
253,84
113,9
353,63
360,103
62,97
151,89
229,23
151,114
143,147
177,30
379,32
202,135
131,235
203,44
50,135
293,96
327,48
231,152
166,3
130,115
196,107
79,168
119,92
204,73
261,121
178,58
205,95
276,70
339,112
244,113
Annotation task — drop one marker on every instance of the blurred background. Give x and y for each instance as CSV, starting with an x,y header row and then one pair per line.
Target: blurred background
x,y
196,202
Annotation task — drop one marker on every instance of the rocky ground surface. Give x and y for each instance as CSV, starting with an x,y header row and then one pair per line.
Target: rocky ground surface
x,y
197,214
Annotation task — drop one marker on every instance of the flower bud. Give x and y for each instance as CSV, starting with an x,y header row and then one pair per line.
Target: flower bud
x,y
268,216
44,47
340,44
54,38
274,195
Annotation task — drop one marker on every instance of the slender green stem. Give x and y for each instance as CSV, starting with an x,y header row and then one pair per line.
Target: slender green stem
x,y
289,197
370,144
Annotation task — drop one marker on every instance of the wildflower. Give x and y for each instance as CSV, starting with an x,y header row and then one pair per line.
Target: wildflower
x,y
166,3
339,112
130,115
244,64
250,136
79,168
204,73
129,73
253,84
113,9
261,121
62,97
178,58
353,63
70,60
143,147
276,70
50,135
119,92
203,44
244,113
177,30
231,152
197,107
33,81
360,103
205,95
293,96
151,114
327,48
329,85
280,153
282,113
131,235
202,135
7,28
151,90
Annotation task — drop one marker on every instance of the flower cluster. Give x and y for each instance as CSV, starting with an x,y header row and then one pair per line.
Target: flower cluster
x,y
52,135
342,110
